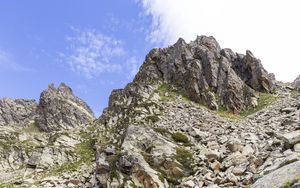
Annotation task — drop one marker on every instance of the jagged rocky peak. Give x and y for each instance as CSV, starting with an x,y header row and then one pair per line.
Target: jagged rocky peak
x,y
60,109
296,83
208,74
17,112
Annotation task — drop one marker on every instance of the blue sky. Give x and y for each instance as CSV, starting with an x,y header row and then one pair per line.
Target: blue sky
x,y
93,46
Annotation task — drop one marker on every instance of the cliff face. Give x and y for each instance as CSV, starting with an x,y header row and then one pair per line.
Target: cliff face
x,y
296,83
17,112
208,74
60,109
196,115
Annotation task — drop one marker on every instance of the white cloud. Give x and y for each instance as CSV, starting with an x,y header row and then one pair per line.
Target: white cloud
x,y
7,63
269,29
91,53
132,66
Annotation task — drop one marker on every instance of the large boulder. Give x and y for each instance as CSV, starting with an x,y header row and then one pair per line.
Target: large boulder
x,y
279,177
17,112
60,109
296,83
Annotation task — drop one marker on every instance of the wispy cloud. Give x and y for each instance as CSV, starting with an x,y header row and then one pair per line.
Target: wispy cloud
x,y
132,66
233,26
91,53
7,63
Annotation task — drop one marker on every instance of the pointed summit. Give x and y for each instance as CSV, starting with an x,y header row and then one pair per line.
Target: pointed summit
x,y
60,109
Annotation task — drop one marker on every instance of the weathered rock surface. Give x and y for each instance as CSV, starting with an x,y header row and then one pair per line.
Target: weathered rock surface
x,y
208,74
279,177
296,83
17,112
60,109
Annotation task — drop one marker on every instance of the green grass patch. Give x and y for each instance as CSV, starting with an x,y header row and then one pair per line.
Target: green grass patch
x,y
180,137
264,100
113,160
31,128
288,184
185,157
167,91
87,156
295,93
152,118
227,114
162,131
6,185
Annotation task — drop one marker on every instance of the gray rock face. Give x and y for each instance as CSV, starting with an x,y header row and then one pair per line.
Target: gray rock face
x,y
296,83
208,74
60,109
17,112
279,177
292,138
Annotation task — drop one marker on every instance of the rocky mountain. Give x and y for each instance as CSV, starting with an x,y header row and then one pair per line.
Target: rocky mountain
x,y
60,109
196,115
39,140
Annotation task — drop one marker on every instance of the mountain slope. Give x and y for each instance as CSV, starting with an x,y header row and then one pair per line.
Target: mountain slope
x,y
195,115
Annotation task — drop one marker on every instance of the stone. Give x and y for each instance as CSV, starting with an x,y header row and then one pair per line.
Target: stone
x,y
279,177
291,138
297,147
239,170
58,109
109,150
212,155
189,184
296,83
234,145
287,110
247,150
34,160
215,166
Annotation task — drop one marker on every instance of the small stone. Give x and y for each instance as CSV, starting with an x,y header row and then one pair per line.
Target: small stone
x,y
234,145
189,184
109,150
239,170
297,147
215,166
288,152
212,155
247,150
177,172
287,110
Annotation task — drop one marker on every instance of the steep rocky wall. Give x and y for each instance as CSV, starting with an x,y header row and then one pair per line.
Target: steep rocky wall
x,y
203,71
60,109
17,112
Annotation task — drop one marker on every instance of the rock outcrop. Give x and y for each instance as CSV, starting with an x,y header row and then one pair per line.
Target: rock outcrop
x,y
208,74
296,83
281,177
17,112
60,109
